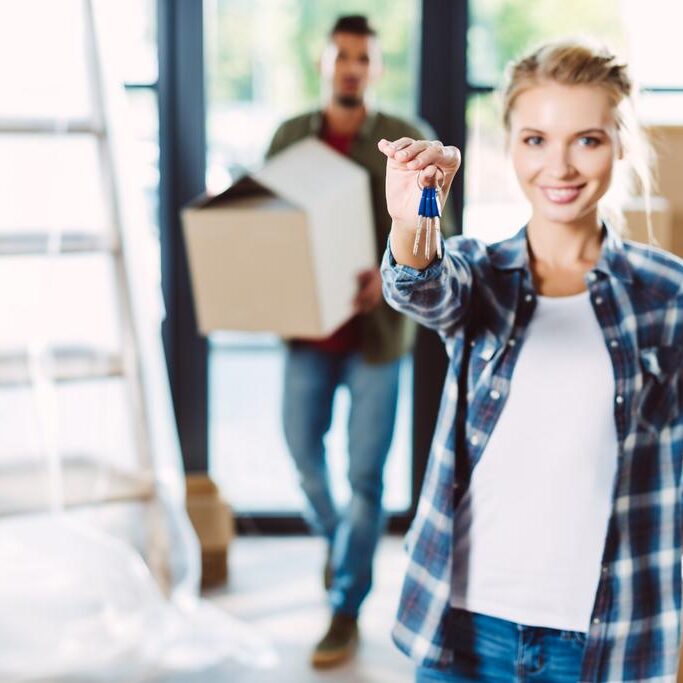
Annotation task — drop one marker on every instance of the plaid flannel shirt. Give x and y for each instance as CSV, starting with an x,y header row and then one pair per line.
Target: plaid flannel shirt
x,y
637,295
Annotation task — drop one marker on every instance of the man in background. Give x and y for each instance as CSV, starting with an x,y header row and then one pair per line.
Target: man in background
x,y
364,354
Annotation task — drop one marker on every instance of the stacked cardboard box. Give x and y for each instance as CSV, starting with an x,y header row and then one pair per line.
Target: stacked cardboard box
x,y
661,220
213,522
668,144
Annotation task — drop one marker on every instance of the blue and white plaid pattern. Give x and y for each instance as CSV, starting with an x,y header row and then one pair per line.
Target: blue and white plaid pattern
x,y
637,295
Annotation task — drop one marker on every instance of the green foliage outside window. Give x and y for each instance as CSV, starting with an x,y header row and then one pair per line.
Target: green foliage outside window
x,y
267,50
501,30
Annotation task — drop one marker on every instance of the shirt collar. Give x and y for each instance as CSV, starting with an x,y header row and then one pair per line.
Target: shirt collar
x,y
316,123
613,260
366,130
513,254
510,254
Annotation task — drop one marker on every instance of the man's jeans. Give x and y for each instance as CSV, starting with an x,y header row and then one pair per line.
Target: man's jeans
x,y
491,650
311,378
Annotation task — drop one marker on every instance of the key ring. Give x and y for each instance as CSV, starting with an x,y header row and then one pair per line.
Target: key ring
x,y
439,186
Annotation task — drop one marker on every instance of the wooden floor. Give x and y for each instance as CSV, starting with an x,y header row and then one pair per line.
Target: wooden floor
x,y
276,586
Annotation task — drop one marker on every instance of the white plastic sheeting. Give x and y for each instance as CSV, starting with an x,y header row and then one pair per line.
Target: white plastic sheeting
x,y
80,605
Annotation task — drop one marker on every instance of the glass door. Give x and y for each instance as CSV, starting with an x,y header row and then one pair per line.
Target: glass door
x,y
261,67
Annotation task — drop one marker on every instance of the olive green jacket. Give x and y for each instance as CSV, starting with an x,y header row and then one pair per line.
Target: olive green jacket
x,y
386,334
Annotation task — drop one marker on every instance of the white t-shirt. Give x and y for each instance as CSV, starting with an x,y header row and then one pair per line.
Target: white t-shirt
x,y
530,532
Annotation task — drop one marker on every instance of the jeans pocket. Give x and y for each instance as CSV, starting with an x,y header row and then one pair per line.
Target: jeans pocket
x,y
575,637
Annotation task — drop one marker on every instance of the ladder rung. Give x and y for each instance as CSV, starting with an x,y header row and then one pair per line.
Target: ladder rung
x,y
62,364
24,485
69,242
52,126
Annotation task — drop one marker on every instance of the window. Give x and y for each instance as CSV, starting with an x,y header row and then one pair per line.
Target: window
x,y
261,67
501,30
656,53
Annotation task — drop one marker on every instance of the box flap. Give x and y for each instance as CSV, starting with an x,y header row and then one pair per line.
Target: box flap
x,y
246,186
295,173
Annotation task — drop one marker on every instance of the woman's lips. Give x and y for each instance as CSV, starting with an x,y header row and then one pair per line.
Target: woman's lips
x,y
562,195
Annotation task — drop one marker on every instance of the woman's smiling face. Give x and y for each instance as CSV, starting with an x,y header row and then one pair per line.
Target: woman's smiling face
x,y
563,143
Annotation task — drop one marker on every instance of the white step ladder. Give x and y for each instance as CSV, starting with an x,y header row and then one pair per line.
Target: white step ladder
x,y
135,459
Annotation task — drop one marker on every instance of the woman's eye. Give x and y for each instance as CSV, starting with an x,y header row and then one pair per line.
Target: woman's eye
x,y
589,141
533,140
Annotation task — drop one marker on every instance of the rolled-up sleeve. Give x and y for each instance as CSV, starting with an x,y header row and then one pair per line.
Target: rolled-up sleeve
x,y
436,297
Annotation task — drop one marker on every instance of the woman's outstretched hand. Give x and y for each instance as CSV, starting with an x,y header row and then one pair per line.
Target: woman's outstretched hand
x,y
405,159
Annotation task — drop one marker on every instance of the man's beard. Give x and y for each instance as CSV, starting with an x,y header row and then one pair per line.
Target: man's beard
x,y
348,101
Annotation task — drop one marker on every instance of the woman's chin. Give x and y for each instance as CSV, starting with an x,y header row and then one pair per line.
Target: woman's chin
x,y
564,214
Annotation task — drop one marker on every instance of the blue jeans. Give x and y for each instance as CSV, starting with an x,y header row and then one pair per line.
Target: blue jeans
x,y
311,379
491,650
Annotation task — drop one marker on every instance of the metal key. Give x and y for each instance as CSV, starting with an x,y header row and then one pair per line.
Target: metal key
x,y
428,219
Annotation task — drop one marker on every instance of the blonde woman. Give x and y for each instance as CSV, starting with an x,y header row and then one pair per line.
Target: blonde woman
x,y
547,543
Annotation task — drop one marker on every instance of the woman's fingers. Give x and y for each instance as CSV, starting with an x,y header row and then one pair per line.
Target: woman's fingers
x,y
429,175
402,143
418,154
397,148
448,158
408,152
451,157
408,160
387,148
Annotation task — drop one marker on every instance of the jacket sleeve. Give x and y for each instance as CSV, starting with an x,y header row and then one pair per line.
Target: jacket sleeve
x,y
437,297
277,143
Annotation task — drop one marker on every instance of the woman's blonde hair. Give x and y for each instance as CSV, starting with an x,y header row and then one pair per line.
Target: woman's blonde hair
x,y
580,61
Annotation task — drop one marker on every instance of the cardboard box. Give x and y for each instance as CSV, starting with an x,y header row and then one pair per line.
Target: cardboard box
x,y
214,525
279,251
667,141
661,218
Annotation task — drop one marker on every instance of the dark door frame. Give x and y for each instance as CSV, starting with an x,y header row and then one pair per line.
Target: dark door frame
x,y
182,169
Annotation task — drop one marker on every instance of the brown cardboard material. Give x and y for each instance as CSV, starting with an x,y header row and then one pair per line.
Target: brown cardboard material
x,y
661,219
667,141
279,251
214,525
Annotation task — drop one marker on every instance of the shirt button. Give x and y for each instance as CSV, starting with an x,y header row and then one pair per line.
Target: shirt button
x,y
512,342
605,570
528,298
614,343
592,276
495,395
472,343
598,300
596,620
474,440
619,399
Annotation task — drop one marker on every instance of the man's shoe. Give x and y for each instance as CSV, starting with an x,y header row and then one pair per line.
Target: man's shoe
x,y
338,644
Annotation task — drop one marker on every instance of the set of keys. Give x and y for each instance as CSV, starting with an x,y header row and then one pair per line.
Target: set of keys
x,y
428,218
